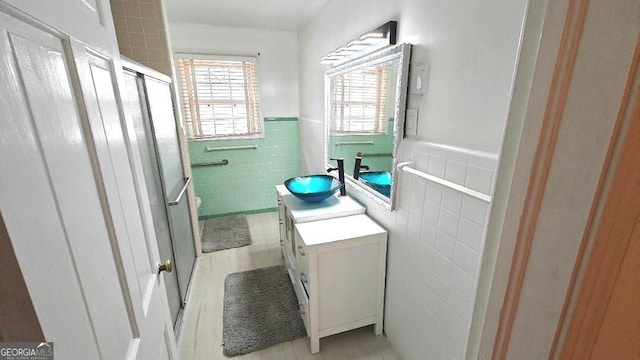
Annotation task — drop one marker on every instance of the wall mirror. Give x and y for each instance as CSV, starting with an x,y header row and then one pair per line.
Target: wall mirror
x,y
365,103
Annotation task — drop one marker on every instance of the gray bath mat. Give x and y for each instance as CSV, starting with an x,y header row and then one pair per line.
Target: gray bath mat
x,y
260,310
225,233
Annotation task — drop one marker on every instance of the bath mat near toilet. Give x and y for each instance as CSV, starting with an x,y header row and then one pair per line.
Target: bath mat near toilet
x,y
260,310
225,232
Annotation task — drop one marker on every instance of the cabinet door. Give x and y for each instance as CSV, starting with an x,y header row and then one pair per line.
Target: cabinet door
x,y
349,279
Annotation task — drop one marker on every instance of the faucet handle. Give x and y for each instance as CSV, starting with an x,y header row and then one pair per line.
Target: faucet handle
x,y
340,174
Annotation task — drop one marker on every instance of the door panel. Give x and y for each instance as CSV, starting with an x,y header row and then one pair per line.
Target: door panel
x,y
48,173
106,113
88,21
165,131
166,353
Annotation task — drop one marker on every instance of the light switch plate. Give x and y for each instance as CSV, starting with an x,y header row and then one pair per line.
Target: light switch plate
x,y
411,123
419,80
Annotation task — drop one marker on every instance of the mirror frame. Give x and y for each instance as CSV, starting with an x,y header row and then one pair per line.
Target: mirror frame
x,y
402,52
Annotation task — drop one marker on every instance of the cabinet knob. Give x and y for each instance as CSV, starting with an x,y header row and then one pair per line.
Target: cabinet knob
x,y
300,250
303,278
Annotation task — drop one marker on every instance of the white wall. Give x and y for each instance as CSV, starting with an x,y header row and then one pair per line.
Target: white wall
x,y
471,48
277,63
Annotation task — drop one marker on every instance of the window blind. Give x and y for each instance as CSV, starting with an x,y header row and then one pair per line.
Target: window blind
x,y
220,97
358,101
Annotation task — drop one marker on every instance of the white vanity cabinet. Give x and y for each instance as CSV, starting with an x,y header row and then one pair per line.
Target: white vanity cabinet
x,y
340,275
295,211
335,256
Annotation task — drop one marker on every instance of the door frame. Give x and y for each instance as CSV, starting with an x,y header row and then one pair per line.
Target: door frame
x,y
540,136
601,255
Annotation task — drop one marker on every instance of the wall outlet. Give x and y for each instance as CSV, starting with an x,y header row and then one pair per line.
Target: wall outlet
x,y
411,123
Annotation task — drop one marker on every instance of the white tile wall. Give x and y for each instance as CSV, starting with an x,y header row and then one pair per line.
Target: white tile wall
x,y
474,209
436,239
456,172
479,179
437,166
311,156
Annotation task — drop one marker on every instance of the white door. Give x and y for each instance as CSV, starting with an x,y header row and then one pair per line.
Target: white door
x,y
70,185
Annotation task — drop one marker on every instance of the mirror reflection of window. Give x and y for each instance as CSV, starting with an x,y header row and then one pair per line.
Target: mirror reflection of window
x,y
361,117
359,102
364,118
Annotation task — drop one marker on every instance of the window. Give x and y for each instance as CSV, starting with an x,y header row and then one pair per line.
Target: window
x,y
220,96
359,101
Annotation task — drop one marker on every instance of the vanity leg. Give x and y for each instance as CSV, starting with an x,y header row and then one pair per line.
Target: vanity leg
x,y
377,328
315,345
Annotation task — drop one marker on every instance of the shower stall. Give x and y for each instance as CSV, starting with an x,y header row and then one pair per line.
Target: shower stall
x,y
148,103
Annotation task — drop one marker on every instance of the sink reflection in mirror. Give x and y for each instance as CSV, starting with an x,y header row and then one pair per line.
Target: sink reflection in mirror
x,y
365,107
380,181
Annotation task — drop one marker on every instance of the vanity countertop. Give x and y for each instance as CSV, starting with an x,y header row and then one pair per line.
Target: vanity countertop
x,y
335,206
338,229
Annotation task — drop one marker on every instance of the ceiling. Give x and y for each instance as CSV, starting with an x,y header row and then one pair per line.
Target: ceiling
x,y
288,15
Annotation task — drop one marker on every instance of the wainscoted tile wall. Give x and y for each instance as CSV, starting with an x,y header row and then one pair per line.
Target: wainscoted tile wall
x,y
247,183
312,156
381,144
436,240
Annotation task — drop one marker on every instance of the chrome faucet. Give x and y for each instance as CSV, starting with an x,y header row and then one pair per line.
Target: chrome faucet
x,y
340,168
358,166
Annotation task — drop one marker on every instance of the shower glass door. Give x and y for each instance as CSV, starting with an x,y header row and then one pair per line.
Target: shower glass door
x,y
173,179
136,109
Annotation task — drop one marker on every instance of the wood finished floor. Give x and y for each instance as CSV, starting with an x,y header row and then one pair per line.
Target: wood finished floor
x,y
201,330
